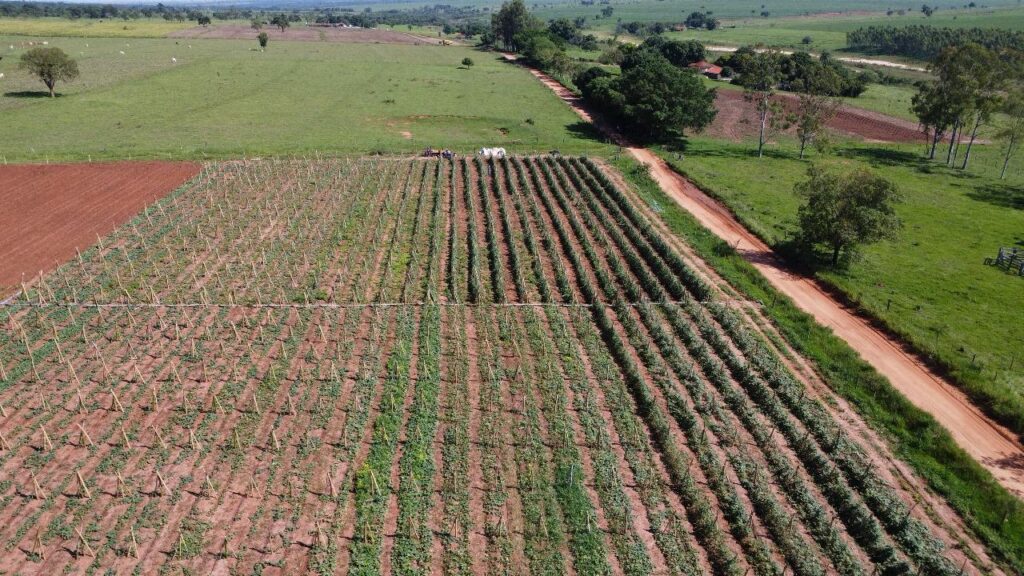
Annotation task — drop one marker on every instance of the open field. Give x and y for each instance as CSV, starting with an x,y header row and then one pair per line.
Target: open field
x,y
828,31
51,211
307,34
737,120
930,286
222,99
86,27
249,378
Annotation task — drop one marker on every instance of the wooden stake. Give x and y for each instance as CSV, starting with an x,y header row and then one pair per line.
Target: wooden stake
x,y
159,438
291,406
3,411
273,436
115,403
217,405
122,486
238,441
156,398
85,493
37,547
46,438
85,543
4,445
210,491
133,548
334,489
255,404
124,436
81,401
39,493
83,438
163,484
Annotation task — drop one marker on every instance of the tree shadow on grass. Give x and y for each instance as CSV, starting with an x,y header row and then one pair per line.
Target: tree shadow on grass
x,y
887,157
587,131
30,94
999,194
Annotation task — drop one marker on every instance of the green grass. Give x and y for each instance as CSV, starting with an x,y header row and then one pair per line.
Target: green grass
x,y
828,32
224,99
85,27
930,286
987,508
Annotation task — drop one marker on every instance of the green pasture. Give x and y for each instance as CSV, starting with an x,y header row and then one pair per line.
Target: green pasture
x,y
931,285
87,27
224,98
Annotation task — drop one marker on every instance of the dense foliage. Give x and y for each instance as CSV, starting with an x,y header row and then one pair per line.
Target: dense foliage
x,y
928,41
106,11
652,99
801,72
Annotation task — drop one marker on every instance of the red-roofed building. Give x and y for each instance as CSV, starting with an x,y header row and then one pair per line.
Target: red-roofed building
x,y
708,69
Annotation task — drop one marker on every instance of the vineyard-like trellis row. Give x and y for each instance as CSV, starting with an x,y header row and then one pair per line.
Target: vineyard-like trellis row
x,y
367,397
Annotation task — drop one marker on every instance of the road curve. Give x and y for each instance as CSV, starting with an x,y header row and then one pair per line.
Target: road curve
x,y
992,445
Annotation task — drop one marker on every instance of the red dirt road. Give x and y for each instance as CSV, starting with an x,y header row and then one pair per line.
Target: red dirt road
x,y
46,211
989,443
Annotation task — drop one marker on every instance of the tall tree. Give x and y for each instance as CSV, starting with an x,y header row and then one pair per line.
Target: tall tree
x,y
844,211
813,112
662,100
1012,132
933,113
51,65
510,22
761,76
281,21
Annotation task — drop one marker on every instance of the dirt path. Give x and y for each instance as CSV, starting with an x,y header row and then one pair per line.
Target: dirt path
x,y
844,59
989,443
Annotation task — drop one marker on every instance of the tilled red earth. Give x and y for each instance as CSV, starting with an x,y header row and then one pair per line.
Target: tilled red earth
x,y
737,119
47,211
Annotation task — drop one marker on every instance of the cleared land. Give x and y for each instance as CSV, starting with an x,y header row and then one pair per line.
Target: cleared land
x,y
307,34
737,119
513,370
223,98
50,211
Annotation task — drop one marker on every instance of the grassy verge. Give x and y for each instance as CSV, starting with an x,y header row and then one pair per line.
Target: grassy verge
x,y
930,286
993,513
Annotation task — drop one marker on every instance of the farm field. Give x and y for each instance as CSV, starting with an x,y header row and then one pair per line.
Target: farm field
x,y
222,98
828,31
87,27
308,34
930,286
512,370
51,211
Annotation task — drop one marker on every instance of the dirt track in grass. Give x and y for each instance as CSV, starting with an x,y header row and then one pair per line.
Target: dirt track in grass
x,y
989,443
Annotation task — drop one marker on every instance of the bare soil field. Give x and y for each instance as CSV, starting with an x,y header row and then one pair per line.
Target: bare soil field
x,y
737,120
308,34
403,366
47,211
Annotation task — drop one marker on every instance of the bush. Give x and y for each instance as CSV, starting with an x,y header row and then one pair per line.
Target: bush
x,y
467,62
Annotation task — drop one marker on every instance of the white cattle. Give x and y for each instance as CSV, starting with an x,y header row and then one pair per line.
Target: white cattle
x,y
492,152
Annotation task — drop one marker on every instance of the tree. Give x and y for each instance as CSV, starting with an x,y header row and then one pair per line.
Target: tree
x,y
256,25
653,99
467,62
511,22
927,10
681,53
933,112
813,112
203,20
761,76
281,21
263,38
51,65
1012,132
844,211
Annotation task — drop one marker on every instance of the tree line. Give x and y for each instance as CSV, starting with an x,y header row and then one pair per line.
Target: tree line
x,y
927,42
107,11
972,86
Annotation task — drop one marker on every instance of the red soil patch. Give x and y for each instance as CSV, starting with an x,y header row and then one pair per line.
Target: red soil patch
x,y
737,119
46,211
308,34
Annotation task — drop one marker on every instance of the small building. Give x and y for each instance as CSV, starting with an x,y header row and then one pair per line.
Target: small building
x,y
708,69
